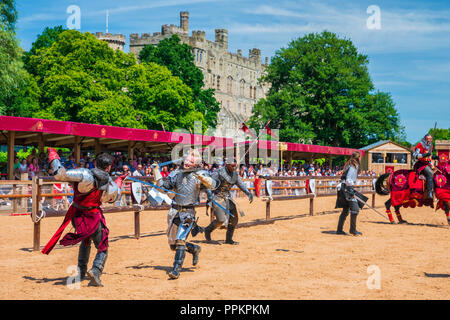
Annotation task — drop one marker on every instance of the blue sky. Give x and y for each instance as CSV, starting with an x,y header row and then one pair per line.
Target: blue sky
x,y
409,55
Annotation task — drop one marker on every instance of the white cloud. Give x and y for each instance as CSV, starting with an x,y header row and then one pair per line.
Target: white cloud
x,y
401,30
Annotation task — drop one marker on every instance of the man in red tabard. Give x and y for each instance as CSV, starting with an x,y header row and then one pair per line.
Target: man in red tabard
x,y
91,188
423,157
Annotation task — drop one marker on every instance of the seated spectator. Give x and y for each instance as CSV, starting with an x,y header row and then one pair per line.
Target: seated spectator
x,y
71,163
34,168
23,168
164,172
138,172
31,156
16,168
126,170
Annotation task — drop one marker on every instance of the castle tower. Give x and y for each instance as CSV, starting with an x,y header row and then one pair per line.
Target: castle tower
x,y
184,21
222,38
115,41
254,54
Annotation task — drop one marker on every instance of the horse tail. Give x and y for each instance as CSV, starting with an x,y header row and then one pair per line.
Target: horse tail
x,y
379,188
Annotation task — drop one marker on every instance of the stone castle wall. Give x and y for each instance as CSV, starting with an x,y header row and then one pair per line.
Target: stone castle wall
x,y
233,76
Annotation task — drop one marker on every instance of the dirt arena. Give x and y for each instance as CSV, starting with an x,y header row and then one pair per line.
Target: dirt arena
x,y
296,257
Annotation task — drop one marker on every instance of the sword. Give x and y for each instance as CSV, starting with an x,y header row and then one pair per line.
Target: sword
x,y
221,207
154,185
363,202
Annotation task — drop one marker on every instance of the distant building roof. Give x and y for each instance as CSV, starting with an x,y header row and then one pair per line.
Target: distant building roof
x,y
374,145
380,143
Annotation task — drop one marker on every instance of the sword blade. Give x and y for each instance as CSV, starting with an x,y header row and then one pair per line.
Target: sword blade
x,y
376,211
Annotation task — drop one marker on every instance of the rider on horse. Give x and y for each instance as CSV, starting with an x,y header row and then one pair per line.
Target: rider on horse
x,y
423,157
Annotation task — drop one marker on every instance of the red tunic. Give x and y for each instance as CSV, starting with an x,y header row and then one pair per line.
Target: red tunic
x,y
424,162
86,222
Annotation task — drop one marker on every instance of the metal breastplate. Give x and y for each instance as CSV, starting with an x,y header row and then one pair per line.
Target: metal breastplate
x,y
189,188
227,182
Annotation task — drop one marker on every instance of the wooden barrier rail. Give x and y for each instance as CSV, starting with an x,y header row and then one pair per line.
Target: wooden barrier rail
x,y
37,212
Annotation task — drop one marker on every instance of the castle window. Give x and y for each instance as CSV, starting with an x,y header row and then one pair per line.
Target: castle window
x,y
229,84
218,82
241,89
251,88
254,92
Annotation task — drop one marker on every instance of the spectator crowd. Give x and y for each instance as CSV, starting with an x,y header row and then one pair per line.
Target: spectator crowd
x,y
140,165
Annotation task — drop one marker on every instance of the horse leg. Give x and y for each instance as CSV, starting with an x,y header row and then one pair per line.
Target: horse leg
x,y
387,204
399,216
447,211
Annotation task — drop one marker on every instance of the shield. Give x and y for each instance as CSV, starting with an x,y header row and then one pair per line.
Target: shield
x,y
136,190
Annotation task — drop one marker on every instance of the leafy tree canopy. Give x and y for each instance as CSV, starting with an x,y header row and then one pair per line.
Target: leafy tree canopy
x,y
12,73
321,90
44,40
83,80
178,58
8,14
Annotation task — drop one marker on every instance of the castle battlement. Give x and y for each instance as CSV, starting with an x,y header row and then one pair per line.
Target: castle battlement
x,y
115,41
233,75
110,36
198,35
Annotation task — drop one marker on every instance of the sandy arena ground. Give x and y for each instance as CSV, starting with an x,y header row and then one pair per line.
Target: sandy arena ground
x,y
297,257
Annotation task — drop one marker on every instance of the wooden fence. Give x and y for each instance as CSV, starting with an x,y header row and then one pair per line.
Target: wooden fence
x,y
41,190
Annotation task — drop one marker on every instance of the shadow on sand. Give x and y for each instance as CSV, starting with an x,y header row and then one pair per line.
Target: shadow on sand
x,y
437,275
56,281
411,224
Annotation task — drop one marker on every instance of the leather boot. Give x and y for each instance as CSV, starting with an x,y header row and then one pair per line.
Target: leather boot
x,y
229,235
210,228
178,261
97,268
194,250
341,222
83,259
353,230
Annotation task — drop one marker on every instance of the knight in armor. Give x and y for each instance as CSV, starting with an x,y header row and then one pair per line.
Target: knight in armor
x,y
91,188
187,181
227,176
346,195
423,156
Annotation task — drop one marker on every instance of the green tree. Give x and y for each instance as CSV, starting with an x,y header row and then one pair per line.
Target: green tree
x,y
44,40
321,89
440,134
178,58
8,14
82,79
12,73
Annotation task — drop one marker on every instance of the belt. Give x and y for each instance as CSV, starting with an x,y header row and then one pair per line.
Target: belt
x,y
81,207
178,207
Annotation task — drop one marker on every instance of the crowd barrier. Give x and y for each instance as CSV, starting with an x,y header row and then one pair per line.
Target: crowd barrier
x,y
45,197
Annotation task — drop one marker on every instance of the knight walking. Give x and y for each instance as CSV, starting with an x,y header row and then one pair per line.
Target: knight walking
x,y
222,203
91,188
346,195
186,182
